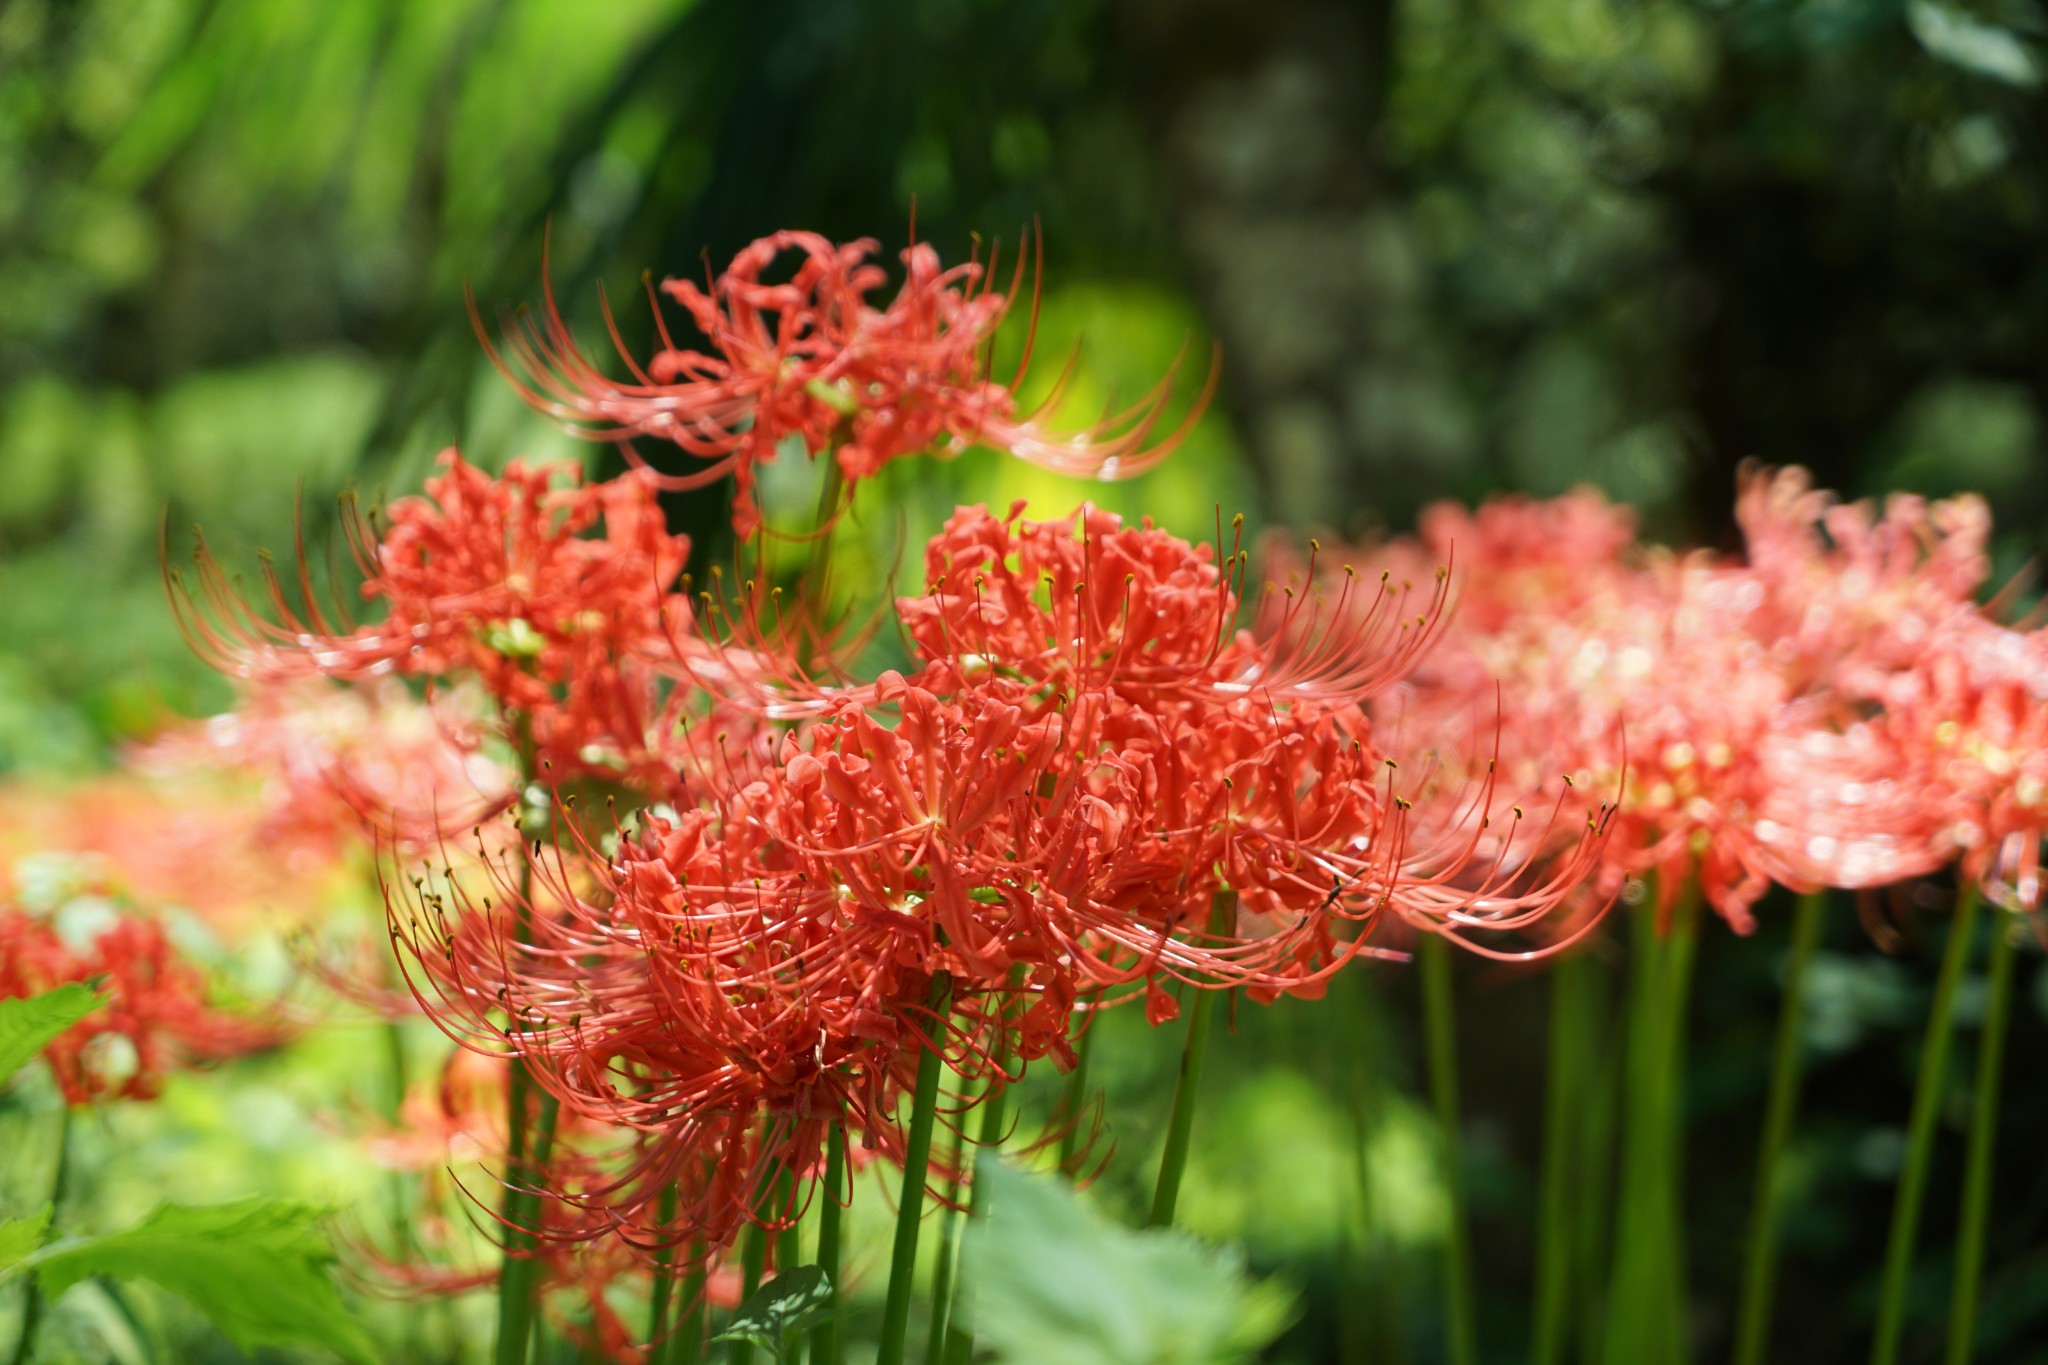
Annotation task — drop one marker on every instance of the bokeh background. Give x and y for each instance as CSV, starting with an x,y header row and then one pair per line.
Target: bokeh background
x,y
1447,248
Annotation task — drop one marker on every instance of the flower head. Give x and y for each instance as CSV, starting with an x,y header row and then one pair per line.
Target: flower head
x,y
811,361
156,1018
500,581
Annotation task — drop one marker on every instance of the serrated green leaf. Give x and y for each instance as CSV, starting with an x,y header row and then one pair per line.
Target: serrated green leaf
x,y
792,1302
19,1237
1049,1278
27,1025
257,1268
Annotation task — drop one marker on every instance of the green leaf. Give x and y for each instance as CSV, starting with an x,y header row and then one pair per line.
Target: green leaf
x,y
1049,1278
19,1237
793,1301
27,1025
1968,42
256,1268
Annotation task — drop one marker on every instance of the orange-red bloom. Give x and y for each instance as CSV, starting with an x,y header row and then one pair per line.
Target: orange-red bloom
x,y
496,580
156,1017
1091,783
1739,707
810,361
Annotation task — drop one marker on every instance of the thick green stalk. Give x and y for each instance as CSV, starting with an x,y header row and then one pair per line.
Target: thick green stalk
x,y
1564,1120
1670,1224
825,1337
32,1292
1440,1024
1180,1123
1642,1323
1898,1260
686,1347
917,1160
1629,1289
521,1271
1962,1313
1593,1209
824,524
516,1269
946,1271
959,1328
1074,1098
515,1304
395,1080
663,1288
753,1256
1760,1266
789,1252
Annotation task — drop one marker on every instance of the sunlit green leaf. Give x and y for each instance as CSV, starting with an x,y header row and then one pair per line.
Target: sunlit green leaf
x,y
1049,1278
27,1026
791,1302
1968,42
257,1268
19,1237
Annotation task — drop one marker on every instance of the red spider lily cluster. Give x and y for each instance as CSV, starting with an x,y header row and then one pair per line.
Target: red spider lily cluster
x,y
157,1016
752,889
89,873
1833,708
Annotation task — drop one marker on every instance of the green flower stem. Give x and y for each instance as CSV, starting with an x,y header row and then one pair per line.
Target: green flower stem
x,y
686,1347
1440,1024
1898,1260
1962,1319
1760,1266
946,1272
789,1252
1593,1213
1633,1281
959,1343
395,1080
518,1279
515,1301
825,1337
32,1291
917,1160
1180,1126
1571,1039
1670,1224
753,1257
959,1330
1074,1098
663,1288
831,493
516,1271
1647,1293
1181,1123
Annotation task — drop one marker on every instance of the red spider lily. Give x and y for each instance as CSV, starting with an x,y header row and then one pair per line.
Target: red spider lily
x,y
1729,702
1088,604
1973,717
1052,804
338,763
156,1004
1851,596
810,360
494,579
